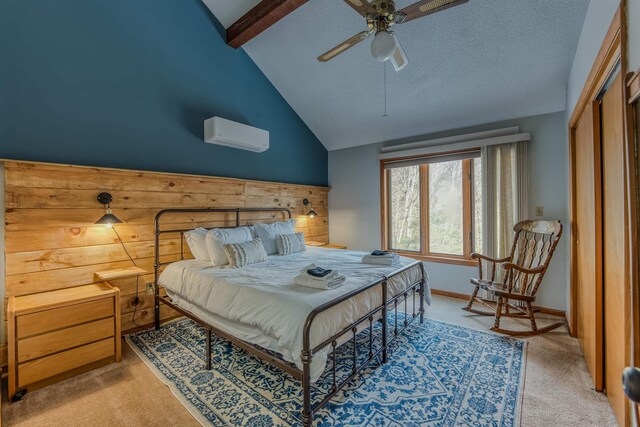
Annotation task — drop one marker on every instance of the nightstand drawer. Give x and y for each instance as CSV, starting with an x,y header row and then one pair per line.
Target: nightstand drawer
x,y
45,367
63,339
63,317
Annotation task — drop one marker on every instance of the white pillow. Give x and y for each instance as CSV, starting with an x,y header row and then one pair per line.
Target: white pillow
x,y
267,233
241,254
290,243
218,237
197,245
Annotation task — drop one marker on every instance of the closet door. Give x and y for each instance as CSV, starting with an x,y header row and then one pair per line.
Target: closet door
x,y
617,297
587,248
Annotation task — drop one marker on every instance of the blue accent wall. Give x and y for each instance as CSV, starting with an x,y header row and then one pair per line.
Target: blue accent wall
x,y
128,84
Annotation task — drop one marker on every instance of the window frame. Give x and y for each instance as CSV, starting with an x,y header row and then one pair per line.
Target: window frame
x,y
425,254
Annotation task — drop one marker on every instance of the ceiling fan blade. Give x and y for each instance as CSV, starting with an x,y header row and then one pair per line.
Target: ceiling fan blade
x,y
347,44
361,6
399,57
424,8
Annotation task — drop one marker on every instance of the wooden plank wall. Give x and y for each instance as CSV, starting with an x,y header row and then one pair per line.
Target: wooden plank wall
x,y
52,243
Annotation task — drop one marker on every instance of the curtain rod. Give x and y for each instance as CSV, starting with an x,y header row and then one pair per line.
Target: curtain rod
x,y
506,139
452,139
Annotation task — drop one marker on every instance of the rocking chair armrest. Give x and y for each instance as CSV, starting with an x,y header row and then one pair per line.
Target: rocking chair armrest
x,y
478,256
509,265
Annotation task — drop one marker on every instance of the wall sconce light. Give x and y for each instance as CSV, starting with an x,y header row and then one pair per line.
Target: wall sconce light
x,y
311,214
108,219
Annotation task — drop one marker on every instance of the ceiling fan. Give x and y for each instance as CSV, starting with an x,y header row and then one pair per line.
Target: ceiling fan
x,y
380,16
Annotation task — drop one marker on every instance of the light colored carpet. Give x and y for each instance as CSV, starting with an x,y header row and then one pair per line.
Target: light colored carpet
x,y
557,388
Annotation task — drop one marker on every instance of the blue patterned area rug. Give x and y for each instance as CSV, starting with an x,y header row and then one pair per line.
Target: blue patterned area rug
x,y
438,374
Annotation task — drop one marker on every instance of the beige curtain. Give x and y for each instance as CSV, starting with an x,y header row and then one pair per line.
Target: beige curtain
x,y
504,189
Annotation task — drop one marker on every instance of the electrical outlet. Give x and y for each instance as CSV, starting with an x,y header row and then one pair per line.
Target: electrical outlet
x,y
149,288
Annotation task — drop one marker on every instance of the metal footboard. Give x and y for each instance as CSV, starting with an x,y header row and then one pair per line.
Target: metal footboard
x,y
309,409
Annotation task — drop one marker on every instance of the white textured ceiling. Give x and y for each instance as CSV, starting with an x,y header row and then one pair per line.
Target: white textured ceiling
x,y
228,11
483,61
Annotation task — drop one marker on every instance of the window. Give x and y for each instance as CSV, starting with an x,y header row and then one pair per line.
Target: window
x,y
404,188
433,207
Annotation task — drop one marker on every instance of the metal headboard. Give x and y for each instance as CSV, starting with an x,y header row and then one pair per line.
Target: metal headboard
x,y
157,231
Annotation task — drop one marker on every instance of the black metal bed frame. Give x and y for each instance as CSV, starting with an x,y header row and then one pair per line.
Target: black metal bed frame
x,y
308,352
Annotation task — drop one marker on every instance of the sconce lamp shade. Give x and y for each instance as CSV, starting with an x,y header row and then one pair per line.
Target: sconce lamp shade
x,y
312,213
109,219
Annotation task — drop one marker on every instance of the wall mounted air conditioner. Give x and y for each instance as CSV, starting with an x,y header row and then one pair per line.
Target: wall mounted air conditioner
x,y
232,134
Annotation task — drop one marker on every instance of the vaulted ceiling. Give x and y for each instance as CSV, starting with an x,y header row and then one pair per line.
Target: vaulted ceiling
x,y
480,62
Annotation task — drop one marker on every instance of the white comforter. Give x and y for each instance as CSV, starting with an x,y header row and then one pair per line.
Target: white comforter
x,y
260,303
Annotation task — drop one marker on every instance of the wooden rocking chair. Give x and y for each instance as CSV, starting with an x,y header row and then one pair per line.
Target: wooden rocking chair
x,y
533,246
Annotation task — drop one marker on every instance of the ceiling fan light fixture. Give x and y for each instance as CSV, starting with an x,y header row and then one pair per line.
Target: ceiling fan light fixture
x,y
383,45
379,16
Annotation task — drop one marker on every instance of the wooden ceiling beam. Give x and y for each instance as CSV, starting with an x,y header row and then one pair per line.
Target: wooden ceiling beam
x,y
258,19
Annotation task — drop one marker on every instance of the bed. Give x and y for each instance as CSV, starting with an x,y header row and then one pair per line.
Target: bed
x,y
298,329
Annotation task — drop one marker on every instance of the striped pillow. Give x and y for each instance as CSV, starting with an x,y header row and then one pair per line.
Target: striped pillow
x,y
290,243
241,254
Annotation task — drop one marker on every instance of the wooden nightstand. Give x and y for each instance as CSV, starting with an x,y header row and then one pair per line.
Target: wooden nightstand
x,y
58,334
325,245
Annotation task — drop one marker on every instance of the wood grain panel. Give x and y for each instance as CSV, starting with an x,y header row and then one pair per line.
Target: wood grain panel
x,y
284,190
68,237
54,259
51,241
258,19
144,318
616,290
588,245
63,339
36,370
50,218
43,175
58,318
26,240
127,302
44,198
3,354
41,281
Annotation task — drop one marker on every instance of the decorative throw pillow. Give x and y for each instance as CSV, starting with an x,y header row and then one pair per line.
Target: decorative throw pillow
x,y
290,243
218,237
241,254
267,233
196,242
